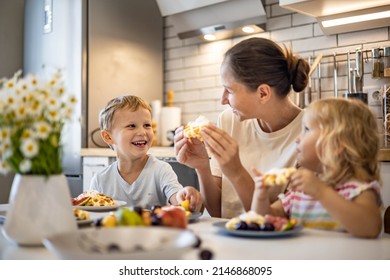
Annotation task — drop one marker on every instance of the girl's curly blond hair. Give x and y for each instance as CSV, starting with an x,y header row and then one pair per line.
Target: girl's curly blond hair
x,y
348,145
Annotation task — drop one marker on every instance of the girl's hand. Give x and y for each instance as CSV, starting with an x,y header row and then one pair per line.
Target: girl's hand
x,y
191,152
261,191
307,182
192,195
223,147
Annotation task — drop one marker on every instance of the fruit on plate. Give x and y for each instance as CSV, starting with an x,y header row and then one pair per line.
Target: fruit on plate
x,y
173,217
253,221
185,204
127,217
109,221
169,216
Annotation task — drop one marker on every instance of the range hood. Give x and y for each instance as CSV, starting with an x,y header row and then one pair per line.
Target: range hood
x,y
338,16
224,18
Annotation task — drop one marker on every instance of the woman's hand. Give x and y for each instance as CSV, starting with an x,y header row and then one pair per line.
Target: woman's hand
x,y
192,195
224,148
307,182
191,152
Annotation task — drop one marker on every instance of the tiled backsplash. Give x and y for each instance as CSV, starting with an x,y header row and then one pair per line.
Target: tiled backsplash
x,y
192,67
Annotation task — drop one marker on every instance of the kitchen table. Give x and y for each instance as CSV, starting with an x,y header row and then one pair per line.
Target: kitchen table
x,y
309,244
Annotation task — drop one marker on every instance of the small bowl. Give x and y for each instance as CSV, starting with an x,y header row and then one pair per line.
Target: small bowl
x,y
120,243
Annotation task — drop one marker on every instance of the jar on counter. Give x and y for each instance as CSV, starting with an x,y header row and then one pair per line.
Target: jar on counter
x,y
377,64
386,61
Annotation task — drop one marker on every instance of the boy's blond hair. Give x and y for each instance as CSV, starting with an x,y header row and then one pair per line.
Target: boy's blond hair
x,y
130,102
348,145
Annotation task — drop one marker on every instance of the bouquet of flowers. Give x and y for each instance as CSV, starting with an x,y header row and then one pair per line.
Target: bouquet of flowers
x,y
33,112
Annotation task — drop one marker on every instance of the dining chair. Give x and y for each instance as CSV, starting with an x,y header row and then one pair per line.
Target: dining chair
x,y
386,220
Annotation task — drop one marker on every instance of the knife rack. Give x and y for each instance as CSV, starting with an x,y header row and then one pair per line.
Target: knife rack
x,y
333,68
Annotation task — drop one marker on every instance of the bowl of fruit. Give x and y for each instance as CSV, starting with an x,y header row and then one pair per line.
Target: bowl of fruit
x,y
122,243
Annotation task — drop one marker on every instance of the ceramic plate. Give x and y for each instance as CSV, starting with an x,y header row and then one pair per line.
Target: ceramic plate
x,y
194,217
258,234
118,203
124,243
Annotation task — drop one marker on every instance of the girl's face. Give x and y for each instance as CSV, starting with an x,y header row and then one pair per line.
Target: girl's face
x,y
306,151
238,96
132,132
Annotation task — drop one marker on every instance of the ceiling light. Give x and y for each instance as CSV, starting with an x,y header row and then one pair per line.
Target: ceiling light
x,y
248,29
209,37
355,19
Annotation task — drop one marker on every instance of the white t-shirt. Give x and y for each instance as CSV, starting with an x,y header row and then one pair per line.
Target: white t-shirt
x,y
257,149
156,183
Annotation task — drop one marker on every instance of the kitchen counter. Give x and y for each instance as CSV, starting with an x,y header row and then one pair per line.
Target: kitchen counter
x,y
160,152
308,244
168,152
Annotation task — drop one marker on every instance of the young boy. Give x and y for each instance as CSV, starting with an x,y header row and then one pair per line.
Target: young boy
x,y
137,177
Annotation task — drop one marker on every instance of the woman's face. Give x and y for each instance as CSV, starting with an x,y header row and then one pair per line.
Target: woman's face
x,y
237,95
306,144
132,132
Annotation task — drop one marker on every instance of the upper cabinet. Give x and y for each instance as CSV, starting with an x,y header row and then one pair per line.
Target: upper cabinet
x,y
335,16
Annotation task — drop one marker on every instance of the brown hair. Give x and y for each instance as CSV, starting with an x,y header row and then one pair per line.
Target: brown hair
x,y
348,145
257,61
130,102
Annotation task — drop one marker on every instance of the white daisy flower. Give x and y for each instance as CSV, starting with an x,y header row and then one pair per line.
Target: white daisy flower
x,y
25,165
42,129
4,167
29,148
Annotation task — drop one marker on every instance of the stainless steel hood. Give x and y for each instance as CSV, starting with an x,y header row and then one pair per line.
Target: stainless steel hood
x,y
340,16
191,18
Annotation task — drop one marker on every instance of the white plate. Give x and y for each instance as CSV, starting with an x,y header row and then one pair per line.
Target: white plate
x,y
139,243
118,203
259,234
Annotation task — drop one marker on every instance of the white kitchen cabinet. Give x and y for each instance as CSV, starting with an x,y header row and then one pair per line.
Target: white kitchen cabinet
x,y
92,165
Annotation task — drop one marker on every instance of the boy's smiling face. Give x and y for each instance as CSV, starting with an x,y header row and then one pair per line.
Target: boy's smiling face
x,y
131,132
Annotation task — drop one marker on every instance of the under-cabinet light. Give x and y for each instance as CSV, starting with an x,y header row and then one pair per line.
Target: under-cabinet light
x,y
355,19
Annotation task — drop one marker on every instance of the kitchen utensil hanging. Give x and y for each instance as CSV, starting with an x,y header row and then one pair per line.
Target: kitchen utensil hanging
x,y
335,89
307,93
355,77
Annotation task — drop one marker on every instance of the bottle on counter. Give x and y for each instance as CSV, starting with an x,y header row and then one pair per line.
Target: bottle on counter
x,y
386,61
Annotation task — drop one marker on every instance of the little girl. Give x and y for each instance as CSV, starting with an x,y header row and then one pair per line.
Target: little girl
x,y
337,185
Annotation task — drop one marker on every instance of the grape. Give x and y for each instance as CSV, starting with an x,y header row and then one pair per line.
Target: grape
x,y
241,226
267,227
253,226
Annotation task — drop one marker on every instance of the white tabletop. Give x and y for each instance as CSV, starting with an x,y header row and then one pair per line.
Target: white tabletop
x,y
307,245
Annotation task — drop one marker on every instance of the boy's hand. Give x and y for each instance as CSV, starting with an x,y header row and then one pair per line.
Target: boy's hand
x,y
192,195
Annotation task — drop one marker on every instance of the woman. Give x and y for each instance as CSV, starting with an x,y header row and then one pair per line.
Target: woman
x,y
258,130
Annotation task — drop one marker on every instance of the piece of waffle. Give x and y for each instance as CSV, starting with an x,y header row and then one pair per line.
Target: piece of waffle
x,y
193,129
278,177
100,200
